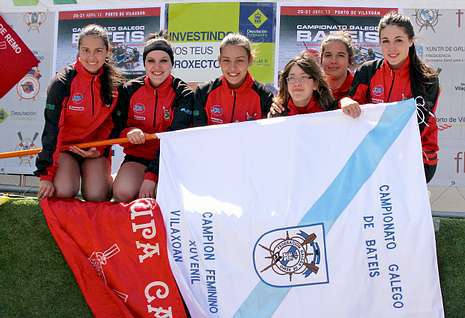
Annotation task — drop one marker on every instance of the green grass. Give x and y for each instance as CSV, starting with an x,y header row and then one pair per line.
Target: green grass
x,y
36,282
450,242
34,278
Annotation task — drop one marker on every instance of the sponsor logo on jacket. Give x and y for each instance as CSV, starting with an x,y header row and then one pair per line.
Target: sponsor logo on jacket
x,y
216,114
217,110
139,108
77,98
378,90
166,113
76,108
138,117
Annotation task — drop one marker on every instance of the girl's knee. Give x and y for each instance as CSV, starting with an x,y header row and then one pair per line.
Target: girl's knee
x,y
65,192
121,194
99,196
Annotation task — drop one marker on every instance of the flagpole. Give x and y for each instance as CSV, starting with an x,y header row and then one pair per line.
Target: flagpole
x,y
106,142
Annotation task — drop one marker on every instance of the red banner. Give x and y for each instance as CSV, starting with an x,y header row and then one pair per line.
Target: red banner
x,y
109,13
15,58
118,255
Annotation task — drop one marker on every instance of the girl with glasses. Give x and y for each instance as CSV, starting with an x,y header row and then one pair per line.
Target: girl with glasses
x,y
302,88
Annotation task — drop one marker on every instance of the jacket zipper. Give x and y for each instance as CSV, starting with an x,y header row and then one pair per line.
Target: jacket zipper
x,y
234,106
92,93
155,112
392,85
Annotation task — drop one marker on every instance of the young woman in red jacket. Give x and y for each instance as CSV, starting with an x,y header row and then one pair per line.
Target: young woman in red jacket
x,y
155,102
401,75
80,105
235,96
336,57
303,89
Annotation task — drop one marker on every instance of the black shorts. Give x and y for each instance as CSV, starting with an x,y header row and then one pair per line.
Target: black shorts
x,y
429,172
129,158
79,159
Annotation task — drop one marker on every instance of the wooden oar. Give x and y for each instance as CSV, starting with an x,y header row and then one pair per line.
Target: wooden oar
x,y
106,142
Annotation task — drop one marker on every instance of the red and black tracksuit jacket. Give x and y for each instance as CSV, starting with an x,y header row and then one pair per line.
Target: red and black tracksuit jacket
x,y
343,90
74,113
376,82
216,103
165,108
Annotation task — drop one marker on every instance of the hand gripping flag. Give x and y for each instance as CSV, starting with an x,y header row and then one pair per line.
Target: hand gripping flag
x,y
118,255
15,58
315,215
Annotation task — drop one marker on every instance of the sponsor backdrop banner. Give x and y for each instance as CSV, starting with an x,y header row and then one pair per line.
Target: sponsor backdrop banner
x,y
196,45
21,109
301,27
440,43
127,29
287,237
304,27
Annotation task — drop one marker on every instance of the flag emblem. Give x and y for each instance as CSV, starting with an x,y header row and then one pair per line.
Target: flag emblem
x,y
292,256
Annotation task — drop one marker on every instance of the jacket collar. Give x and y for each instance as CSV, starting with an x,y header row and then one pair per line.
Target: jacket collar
x,y
403,69
248,82
163,88
312,107
82,70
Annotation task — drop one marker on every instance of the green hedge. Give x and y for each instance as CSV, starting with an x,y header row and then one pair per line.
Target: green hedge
x,y
35,281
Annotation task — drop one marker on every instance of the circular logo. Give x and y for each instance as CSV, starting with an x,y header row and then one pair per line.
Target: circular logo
x,y
378,90
77,98
216,110
139,108
292,256
427,16
28,87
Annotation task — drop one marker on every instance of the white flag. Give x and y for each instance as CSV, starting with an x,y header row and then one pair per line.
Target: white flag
x,y
315,215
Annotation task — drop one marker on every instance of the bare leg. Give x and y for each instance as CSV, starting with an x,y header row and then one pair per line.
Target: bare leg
x,y
128,181
67,177
96,179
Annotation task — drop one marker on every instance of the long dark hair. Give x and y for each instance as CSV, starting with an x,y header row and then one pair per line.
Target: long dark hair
x,y
420,73
309,66
110,77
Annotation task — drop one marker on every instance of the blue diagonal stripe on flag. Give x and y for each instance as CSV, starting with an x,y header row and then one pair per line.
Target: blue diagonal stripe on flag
x,y
264,299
